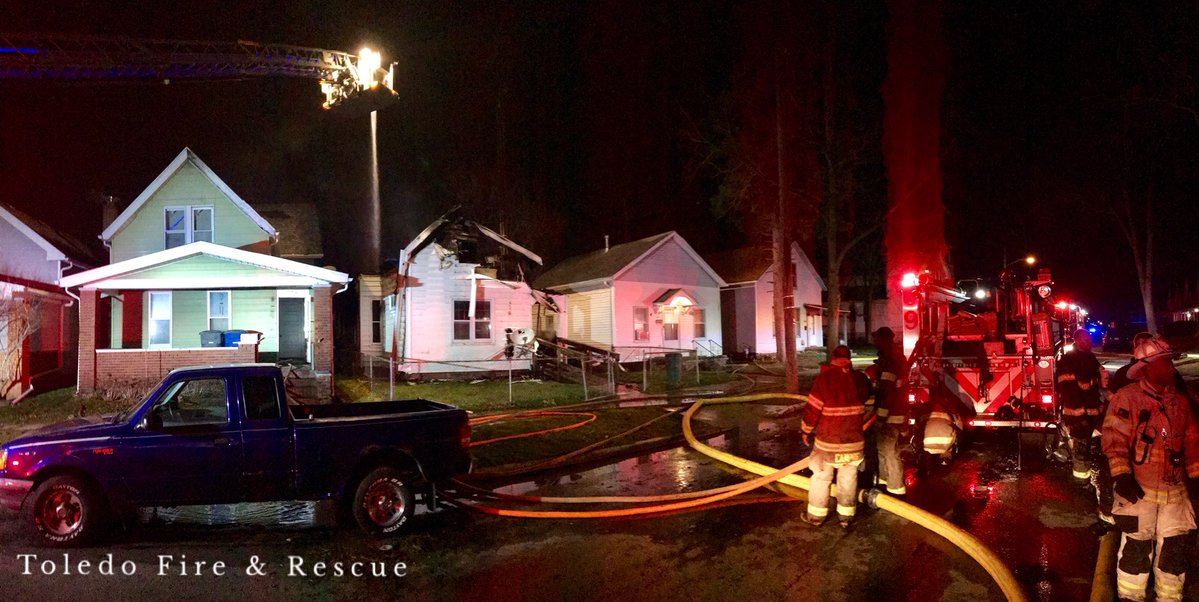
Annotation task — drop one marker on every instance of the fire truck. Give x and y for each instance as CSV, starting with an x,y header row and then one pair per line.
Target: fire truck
x,y
988,354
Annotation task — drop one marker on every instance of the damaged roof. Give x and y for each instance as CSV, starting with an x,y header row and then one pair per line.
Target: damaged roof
x,y
299,228
597,264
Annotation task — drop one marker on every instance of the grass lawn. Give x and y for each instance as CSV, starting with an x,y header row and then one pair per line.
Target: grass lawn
x,y
657,379
484,396
608,422
48,408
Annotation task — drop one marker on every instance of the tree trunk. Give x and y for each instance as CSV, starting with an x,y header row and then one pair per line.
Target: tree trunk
x,y
784,281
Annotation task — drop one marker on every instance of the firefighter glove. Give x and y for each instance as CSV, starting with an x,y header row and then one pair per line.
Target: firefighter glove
x,y
1126,486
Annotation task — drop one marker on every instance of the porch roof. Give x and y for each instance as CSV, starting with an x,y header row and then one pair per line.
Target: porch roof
x,y
204,265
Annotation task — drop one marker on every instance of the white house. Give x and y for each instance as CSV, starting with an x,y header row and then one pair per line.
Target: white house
x,y
649,295
450,306
747,302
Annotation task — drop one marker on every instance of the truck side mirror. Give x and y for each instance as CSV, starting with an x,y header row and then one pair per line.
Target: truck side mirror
x,y
150,422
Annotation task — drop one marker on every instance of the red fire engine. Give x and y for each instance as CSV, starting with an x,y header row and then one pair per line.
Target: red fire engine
x,y
993,352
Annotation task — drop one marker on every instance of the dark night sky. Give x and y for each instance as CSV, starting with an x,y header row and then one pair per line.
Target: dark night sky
x,y
581,111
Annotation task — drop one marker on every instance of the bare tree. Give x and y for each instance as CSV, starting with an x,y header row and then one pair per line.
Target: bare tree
x,y
18,322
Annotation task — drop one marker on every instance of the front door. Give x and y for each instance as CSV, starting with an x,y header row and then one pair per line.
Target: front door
x,y
292,343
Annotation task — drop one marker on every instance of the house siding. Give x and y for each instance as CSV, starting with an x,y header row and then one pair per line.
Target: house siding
x,y
370,288
145,231
189,315
23,258
630,294
672,264
257,309
589,317
203,266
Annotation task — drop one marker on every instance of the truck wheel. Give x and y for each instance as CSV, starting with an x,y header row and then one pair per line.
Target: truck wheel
x,y
382,502
64,511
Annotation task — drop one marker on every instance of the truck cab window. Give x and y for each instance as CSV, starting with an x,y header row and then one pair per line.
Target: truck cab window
x,y
262,398
199,402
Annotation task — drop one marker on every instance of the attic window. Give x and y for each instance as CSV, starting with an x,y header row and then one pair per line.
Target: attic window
x,y
187,225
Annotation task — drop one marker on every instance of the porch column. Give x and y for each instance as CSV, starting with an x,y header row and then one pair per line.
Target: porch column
x,y
322,329
87,341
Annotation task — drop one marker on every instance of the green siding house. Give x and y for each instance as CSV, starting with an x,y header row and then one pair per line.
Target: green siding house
x,y
190,261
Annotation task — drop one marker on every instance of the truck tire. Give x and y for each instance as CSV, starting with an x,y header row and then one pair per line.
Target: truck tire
x,y
382,502
64,511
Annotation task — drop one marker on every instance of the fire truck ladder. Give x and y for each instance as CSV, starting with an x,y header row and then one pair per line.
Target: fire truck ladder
x,y
73,58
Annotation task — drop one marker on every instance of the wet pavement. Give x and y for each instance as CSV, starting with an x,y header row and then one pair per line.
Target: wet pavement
x,y
1021,505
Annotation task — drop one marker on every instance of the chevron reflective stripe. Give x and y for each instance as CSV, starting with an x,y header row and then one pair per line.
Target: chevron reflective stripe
x,y
1082,474
844,410
805,427
937,441
815,402
887,377
846,510
941,415
817,511
1131,589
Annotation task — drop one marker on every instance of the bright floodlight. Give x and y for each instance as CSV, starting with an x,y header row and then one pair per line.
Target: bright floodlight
x,y
1030,260
980,293
909,280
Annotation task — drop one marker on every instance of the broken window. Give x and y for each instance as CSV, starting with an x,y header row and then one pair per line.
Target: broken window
x,y
477,328
188,224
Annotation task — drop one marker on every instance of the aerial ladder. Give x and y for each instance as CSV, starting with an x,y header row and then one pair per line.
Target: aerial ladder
x,y
73,58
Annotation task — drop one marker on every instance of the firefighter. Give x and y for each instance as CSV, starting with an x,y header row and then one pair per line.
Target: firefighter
x,y
834,412
1078,387
1121,380
941,426
1151,440
890,398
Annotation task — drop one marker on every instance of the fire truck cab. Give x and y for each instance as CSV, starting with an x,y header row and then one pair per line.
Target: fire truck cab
x,y
989,354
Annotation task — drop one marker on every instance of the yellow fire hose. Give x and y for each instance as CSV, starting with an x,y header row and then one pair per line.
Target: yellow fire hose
x,y
963,540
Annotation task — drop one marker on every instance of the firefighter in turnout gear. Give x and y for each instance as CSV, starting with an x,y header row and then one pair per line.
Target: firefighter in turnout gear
x,y
1151,440
834,413
1078,388
891,400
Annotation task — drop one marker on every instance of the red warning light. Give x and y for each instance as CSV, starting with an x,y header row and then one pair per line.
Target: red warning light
x,y
909,280
1061,305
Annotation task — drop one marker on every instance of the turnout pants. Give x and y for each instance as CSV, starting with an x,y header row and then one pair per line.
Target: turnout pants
x,y
939,434
823,466
1080,429
890,466
1153,537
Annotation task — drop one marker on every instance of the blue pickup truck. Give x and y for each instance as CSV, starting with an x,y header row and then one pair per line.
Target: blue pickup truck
x,y
226,434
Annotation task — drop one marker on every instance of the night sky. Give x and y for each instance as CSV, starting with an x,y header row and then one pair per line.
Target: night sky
x,y
566,121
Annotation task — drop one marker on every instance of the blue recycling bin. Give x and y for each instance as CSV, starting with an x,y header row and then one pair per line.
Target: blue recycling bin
x,y
232,337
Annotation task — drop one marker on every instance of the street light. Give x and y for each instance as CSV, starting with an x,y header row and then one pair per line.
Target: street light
x,y
1030,260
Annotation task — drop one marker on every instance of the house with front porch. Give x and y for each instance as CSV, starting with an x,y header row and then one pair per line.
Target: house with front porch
x,y
38,326
640,298
195,278
456,304
747,300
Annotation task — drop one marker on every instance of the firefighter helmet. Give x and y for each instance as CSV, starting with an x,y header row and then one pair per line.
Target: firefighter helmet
x,y
1148,351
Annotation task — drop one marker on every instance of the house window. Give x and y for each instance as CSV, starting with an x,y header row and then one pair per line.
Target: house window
x,y
640,323
160,319
700,330
218,310
188,224
670,326
476,329
376,320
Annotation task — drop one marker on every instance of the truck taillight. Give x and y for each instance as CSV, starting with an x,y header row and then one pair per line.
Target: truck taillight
x,y
1047,399
464,434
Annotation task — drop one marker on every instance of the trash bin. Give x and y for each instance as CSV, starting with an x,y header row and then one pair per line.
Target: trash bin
x,y
674,370
232,337
210,338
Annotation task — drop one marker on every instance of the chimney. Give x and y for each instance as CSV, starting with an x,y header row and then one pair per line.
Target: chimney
x,y
108,204
605,243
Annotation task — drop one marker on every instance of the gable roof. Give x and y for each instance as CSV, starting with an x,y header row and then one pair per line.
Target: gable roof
x,y
185,156
299,229
740,266
57,245
451,217
307,274
613,262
